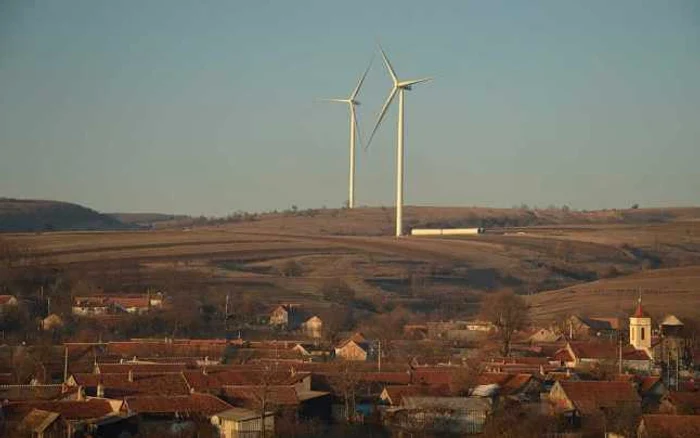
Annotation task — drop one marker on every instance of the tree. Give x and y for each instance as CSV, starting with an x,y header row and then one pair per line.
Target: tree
x,y
508,313
345,382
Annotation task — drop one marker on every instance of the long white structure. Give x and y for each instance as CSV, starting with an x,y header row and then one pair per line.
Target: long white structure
x,y
399,87
446,231
352,103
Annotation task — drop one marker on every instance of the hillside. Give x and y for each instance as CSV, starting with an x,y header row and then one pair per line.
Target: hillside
x,y
24,215
379,221
292,256
673,290
149,219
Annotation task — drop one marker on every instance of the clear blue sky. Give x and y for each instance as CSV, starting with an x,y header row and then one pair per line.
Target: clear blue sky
x,y
209,107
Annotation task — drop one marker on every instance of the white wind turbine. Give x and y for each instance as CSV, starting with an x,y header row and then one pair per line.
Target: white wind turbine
x,y
399,87
352,102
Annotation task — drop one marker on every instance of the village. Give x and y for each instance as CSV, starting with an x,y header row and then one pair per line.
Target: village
x,y
505,376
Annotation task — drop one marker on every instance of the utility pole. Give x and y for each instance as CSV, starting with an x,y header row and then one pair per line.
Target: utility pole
x,y
65,364
619,346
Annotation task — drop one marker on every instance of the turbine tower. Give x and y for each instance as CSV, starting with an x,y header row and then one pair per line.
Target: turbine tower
x,y
399,87
352,102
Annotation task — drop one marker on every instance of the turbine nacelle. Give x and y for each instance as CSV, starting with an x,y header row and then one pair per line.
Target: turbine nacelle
x,y
399,86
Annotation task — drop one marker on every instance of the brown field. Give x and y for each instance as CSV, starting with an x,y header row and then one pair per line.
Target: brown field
x,y
674,290
559,250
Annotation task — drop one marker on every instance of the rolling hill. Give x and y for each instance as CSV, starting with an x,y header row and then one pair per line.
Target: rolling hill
x,y
24,215
673,290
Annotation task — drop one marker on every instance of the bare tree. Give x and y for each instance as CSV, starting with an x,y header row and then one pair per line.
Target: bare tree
x,y
345,383
508,313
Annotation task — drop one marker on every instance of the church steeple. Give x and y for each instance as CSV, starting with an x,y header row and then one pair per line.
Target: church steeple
x,y
640,328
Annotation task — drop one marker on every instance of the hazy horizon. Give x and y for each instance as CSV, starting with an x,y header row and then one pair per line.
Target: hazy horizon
x,y
182,108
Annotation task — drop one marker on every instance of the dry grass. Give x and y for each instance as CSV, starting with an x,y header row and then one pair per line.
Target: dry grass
x,y
250,255
675,290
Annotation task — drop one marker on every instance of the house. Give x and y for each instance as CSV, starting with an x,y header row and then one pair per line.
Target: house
x,y
312,351
587,354
439,415
582,400
579,327
43,424
393,395
459,330
353,350
7,301
37,392
516,386
287,316
129,384
545,335
109,305
51,322
680,403
191,413
241,423
669,426
313,327
77,415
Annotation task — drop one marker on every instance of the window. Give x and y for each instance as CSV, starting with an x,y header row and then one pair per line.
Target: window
x,y
642,337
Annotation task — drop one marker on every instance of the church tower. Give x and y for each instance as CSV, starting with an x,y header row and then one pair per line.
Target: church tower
x,y
640,329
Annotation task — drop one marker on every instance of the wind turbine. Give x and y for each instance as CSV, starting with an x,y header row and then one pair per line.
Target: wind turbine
x,y
399,88
352,103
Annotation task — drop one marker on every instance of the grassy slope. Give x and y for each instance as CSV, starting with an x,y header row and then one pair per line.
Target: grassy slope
x,y
673,290
561,249
18,215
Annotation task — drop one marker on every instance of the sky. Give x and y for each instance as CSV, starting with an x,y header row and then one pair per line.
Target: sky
x,y
212,107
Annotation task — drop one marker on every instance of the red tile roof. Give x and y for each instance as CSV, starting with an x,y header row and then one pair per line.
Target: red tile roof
x,y
434,375
563,355
215,379
648,383
689,401
129,349
69,410
118,385
397,392
509,383
606,350
4,299
34,392
671,426
251,395
112,368
197,404
589,396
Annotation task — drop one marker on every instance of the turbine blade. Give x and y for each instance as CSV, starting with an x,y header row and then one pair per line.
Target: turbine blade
x,y
362,79
417,81
334,100
381,115
388,65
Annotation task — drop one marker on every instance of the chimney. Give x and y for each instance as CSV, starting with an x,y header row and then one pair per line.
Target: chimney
x,y
100,389
131,375
81,393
